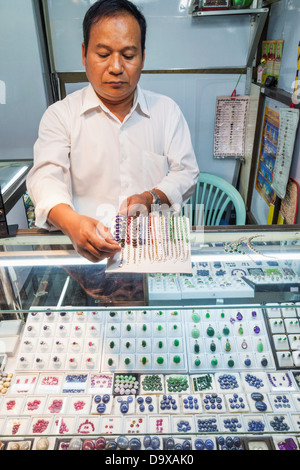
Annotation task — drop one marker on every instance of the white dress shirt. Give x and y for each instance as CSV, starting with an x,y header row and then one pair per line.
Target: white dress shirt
x,y
86,158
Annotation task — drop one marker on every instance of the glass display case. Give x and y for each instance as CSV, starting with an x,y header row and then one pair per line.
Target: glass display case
x,y
99,360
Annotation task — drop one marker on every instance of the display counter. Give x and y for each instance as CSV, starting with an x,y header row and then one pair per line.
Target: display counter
x,y
206,360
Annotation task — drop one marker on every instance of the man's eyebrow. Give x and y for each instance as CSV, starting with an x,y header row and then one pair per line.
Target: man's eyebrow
x,y
99,46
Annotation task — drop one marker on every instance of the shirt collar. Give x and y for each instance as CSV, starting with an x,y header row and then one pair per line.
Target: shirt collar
x,y
91,101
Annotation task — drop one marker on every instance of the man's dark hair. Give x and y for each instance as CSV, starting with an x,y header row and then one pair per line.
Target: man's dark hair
x,y
108,8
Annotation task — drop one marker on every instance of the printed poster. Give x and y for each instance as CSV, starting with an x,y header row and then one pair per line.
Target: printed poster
x,y
267,155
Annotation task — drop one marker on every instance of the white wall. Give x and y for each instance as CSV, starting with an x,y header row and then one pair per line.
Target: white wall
x,y
22,93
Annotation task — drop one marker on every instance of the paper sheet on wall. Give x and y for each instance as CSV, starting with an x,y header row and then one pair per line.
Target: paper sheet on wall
x,y
288,123
230,126
152,244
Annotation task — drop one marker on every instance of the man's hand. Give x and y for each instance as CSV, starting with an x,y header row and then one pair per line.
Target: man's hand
x,y
136,205
141,203
89,237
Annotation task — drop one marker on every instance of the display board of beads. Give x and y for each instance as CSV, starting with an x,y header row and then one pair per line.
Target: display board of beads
x,y
156,243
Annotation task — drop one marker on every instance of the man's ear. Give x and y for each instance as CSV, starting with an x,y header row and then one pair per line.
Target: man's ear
x,y
143,59
83,53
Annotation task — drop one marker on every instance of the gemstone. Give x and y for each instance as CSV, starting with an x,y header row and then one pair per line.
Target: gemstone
x,y
264,362
257,396
122,442
170,444
147,441
261,406
210,331
135,444
213,346
260,346
226,331
88,445
111,445
196,317
195,333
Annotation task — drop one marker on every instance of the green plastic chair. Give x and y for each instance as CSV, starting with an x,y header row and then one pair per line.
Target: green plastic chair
x,y
212,201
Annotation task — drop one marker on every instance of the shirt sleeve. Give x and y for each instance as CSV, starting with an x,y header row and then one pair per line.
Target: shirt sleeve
x,y
179,184
49,181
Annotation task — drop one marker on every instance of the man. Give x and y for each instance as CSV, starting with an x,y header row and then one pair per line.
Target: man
x,y
112,144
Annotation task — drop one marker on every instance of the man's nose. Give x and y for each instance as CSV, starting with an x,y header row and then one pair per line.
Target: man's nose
x,y
116,64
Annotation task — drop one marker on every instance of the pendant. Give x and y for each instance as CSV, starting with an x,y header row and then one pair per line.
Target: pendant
x,y
210,331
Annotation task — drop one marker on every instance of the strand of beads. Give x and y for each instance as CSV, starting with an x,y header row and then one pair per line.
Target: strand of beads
x,y
128,238
122,237
134,238
140,236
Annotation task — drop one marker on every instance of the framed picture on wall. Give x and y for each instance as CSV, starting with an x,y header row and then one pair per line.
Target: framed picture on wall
x,y
209,5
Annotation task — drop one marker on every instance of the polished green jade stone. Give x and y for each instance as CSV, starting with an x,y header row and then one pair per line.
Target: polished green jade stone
x,y
210,331
213,346
127,361
227,346
226,331
196,348
160,344
176,343
110,362
195,332
230,363
176,359
214,362
260,346
197,362
160,360
195,317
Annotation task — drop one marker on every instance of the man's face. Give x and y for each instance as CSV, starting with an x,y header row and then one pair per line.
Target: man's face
x,y
114,57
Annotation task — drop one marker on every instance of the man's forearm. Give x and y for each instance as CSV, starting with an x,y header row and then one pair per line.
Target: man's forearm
x,y
62,216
